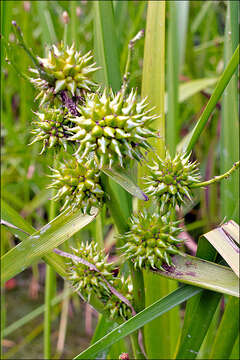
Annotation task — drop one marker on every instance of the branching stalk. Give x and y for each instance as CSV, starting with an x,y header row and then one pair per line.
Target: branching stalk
x,y
217,178
131,44
29,52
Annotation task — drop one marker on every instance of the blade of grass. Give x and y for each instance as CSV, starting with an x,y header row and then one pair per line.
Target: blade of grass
x,y
219,89
227,332
232,229
192,342
132,31
182,15
235,354
50,236
229,136
205,349
103,327
192,87
105,45
200,16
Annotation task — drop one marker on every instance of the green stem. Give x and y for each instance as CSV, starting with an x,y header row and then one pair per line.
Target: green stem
x,y
19,36
50,287
129,57
217,178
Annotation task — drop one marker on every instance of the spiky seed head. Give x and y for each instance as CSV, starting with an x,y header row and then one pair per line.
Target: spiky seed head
x,y
78,185
51,128
112,129
170,180
151,240
90,282
115,306
86,280
67,69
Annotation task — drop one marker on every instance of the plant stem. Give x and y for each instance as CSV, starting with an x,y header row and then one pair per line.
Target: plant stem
x,y
217,178
50,287
19,36
127,67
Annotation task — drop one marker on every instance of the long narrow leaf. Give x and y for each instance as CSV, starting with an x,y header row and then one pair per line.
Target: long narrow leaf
x,y
151,312
221,85
172,128
105,41
227,332
229,136
35,246
122,178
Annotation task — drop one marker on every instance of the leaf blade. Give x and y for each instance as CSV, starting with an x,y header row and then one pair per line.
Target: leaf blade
x,y
37,245
151,312
124,180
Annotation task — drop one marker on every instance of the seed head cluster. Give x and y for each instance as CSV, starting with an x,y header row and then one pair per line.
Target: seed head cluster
x,y
112,128
89,282
51,128
64,69
78,185
151,240
170,180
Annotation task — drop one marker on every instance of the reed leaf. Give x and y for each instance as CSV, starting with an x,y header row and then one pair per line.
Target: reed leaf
x,y
37,245
198,272
227,332
136,322
122,177
223,81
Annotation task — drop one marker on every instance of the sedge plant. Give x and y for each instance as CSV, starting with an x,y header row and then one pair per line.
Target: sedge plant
x,y
96,135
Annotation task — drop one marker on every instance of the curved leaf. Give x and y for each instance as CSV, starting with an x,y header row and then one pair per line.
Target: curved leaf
x,y
122,178
47,238
198,272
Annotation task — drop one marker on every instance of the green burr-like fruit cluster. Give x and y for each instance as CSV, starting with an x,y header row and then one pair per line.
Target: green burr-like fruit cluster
x,y
114,305
65,69
112,129
86,280
152,240
170,180
78,185
52,128
90,282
